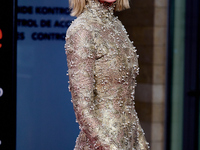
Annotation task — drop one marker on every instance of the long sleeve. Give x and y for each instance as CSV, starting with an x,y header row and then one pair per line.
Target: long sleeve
x,y
102,67
81,61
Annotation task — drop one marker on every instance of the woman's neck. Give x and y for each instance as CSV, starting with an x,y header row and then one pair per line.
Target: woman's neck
x,y
107,2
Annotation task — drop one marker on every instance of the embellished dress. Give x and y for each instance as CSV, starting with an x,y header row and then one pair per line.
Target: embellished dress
x,y
102,68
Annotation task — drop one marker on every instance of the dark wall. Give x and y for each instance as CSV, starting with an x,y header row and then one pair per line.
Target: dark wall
x,y
7,75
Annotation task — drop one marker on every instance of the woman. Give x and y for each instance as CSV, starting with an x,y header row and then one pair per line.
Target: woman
x,y
103,65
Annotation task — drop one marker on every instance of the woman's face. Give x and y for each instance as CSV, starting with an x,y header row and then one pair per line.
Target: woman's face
x,y
108,1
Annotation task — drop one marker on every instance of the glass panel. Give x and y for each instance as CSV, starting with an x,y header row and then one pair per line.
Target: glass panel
x,y
178,75
45,117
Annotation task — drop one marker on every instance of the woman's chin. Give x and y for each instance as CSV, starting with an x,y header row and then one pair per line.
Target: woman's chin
x,y
108,1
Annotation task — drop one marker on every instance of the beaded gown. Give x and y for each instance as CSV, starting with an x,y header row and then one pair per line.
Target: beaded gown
x,y
102,67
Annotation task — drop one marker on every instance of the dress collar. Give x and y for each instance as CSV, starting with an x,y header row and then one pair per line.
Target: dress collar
x,y
100,9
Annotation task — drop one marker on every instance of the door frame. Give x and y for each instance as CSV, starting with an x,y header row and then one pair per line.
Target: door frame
x,y
191,85
191,76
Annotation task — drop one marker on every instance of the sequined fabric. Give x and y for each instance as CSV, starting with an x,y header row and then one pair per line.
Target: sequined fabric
x,y
102,67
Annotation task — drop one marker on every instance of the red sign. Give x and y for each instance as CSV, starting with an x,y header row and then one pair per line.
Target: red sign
x,y
1,36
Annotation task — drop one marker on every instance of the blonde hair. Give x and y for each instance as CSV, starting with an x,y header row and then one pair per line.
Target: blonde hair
x,y
77,6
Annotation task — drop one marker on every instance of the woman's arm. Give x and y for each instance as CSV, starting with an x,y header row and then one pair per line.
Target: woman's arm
x,y
81,60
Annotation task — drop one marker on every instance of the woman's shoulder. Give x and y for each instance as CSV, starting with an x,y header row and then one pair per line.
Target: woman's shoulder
x,y
79,24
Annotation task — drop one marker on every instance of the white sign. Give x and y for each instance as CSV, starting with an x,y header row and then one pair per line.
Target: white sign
x,y
1,94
